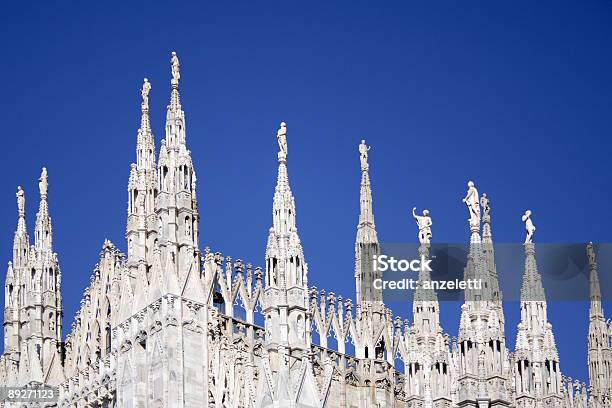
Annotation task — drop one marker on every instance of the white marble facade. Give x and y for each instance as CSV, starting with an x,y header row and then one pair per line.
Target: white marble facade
x,y
171,325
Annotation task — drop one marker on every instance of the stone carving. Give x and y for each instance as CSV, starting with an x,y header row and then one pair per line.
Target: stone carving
x,y
176,72
424,223
153,333
529,227
591,254
471,201
363,155
281,136
144,92
484,203
43,183
139,203
20,200
300,328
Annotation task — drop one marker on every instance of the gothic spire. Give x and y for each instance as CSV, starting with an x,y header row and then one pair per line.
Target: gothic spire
x,y
366,230
366,241
594,288
177,208
40,278
175,117
489,255
142,184
531,289
535,342
284,202
21,240
425,307
43,237
286,269
600,350
487,237
145,145
533,298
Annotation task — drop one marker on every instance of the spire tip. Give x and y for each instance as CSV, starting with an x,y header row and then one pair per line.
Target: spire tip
x,y
43,182
281,136
144,92
363,155
176,70
529,227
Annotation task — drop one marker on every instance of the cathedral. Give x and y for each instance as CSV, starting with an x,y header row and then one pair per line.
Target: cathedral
x,y
171,324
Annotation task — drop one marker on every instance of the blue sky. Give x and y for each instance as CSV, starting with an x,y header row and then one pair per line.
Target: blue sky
x,y
514,95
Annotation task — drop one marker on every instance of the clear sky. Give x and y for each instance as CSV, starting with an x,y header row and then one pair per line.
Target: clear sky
x,y
515,95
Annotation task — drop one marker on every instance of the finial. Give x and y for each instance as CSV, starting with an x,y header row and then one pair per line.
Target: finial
x,y
529,227
43,183
591,255
424,223
144,92
486,209
176,73
472,203
20,201
363,155
281,136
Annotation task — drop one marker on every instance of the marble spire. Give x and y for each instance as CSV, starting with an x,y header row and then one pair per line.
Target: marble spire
x,y
537,371
286,269
366,242
43,237
599,342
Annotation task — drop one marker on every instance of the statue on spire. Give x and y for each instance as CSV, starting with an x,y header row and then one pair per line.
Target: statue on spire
x,y
424,223
281,135
43,183
363,155
144,92
484,203
20,200
471,201
176,73
591,254
529,227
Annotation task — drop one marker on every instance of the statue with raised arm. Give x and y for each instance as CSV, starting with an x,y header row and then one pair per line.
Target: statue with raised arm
x,y
176,72
363,155
20,200
144,92
281,135
529,227
424,223
471,201
43,183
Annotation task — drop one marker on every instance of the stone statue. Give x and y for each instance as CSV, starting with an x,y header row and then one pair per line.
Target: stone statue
x,y
471,201
300,329
529,227
43,183
591,253
484,203
20,200
281,135
363,155
176,73
139,203
144,92
424,223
